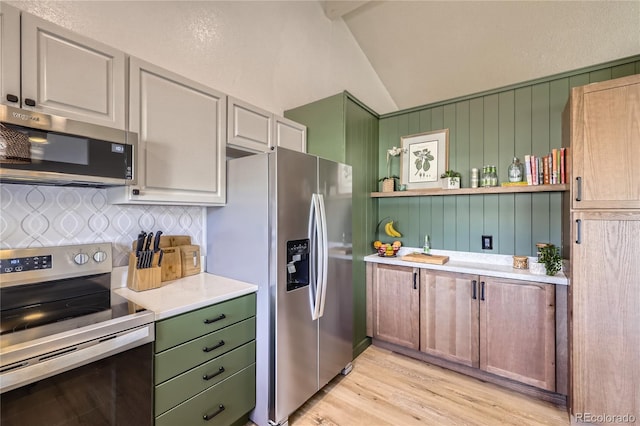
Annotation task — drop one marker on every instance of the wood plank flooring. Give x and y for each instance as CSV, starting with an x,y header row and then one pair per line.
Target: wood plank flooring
x,y
386,388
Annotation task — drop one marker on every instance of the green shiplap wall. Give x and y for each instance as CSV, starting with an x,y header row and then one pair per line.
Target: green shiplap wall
x,y
340,128
488,128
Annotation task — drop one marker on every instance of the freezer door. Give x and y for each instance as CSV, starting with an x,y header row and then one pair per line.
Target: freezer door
x,y
336,322
296,338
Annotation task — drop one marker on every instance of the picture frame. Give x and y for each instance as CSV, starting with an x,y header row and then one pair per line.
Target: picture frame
x,y
425,157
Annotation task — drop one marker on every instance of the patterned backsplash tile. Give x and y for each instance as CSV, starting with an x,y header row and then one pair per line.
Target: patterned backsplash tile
x,y
36,216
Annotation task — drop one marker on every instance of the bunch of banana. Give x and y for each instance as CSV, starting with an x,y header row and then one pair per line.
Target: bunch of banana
x,y
390,230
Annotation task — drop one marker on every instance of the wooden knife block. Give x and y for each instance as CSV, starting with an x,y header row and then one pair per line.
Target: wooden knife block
x,y
143,279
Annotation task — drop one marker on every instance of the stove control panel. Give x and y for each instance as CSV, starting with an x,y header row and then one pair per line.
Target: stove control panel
x,y
20,264
39,264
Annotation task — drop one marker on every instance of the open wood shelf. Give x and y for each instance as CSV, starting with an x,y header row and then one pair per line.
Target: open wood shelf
x,y
473,191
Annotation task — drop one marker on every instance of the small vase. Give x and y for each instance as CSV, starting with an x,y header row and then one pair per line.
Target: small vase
x,y
388,185
450,183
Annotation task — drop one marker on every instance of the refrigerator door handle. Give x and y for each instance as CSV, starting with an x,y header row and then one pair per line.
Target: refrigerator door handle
x,y
313,261
324,255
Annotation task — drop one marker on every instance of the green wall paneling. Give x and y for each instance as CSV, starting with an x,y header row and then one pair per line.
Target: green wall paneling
x,y
488,128
325,126
341,128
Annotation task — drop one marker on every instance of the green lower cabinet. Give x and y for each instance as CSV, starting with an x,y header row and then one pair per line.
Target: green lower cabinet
x,y
204,365
220,405
182,387
183,357
178,329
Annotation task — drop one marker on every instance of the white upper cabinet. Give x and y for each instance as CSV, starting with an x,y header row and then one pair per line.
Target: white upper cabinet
x,y
9,55
181,132
289,134
63,73
253,129
249,128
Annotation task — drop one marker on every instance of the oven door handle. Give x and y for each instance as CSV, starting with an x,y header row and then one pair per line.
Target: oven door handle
x,y
50,364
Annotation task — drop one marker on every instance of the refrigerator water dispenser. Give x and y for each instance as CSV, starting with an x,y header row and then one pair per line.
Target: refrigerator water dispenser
x,y
297,264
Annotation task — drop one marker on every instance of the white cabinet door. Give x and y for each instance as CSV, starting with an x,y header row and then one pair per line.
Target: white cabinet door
x,y
289,134
9,55
72,76
180,139
249,127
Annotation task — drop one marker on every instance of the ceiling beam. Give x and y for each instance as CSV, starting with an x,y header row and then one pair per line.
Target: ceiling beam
x,y
335,9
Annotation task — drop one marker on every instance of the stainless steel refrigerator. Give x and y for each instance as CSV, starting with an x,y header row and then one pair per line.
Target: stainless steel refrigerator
x,y
286,227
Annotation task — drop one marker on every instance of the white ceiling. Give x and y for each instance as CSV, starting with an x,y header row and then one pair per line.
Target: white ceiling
x,y
430,51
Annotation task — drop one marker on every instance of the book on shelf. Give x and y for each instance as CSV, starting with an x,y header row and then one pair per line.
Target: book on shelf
x,y
527,166
553,178
521,183
563,178
545,170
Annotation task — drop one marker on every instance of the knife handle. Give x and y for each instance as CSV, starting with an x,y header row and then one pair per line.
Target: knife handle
x,y
147,244
156,242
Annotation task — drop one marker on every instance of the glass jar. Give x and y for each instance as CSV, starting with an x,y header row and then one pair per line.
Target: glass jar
x,y
516,170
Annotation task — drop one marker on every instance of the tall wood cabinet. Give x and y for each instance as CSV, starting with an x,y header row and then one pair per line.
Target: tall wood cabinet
x,y
49,69
603,123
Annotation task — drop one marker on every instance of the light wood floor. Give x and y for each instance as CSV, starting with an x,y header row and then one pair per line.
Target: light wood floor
x,y
386,388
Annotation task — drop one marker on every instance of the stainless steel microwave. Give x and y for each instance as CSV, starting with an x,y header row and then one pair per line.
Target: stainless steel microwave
x,y
45,149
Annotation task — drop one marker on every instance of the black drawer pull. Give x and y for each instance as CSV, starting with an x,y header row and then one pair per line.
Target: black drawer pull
x,y
211,348
211,376
208,417
209,321
30,102
12,98
481,290
474,296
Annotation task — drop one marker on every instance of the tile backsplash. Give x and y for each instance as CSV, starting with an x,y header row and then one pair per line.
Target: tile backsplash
x,y
36,216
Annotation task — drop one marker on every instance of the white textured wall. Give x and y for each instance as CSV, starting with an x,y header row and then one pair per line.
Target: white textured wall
x,y
274,54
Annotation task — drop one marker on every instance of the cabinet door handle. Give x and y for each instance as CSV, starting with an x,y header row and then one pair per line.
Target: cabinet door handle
x,y
30,102
218,318
214,347
208,417
415,280
211,376
12,98
474,283
481,290
578,231
579,188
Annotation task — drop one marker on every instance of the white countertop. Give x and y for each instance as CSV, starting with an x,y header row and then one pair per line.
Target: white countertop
x,y
494,265
181,295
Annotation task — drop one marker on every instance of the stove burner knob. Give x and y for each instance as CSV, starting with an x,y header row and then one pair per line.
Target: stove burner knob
x,y
100,256
81,258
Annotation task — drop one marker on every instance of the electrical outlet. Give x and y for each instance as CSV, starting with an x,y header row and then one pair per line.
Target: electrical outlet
x,y
487,242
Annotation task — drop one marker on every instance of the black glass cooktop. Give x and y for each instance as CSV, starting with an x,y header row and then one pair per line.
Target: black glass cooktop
x,y
31,311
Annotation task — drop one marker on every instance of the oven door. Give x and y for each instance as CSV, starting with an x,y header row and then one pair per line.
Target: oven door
x,y
108,381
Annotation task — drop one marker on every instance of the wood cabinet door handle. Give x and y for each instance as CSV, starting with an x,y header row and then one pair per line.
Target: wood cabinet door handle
x,y
474,284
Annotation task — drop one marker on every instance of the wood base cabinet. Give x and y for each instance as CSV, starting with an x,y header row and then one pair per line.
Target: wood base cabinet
x,y
396,317
517,331
499,326
504,327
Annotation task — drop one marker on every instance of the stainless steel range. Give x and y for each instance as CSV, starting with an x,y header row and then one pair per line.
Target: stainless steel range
x,y
69,346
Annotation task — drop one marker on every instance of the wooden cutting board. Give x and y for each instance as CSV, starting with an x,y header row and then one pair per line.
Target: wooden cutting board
x,y
434,258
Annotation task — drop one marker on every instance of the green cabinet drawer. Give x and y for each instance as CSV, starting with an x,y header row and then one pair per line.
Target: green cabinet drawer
x,y
182,387
182,328
231,399
183,357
